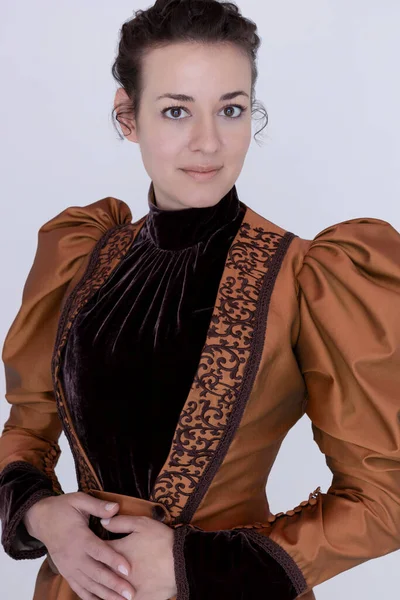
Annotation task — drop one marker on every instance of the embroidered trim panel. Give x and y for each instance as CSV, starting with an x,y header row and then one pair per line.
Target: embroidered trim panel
x,y
227,368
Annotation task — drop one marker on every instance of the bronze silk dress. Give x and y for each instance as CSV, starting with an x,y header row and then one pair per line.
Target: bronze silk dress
x,y
176,352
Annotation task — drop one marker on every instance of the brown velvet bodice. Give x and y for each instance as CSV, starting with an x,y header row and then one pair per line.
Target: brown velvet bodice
x,y
133,349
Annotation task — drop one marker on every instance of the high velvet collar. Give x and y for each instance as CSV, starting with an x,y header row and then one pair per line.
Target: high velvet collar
x,y
186,227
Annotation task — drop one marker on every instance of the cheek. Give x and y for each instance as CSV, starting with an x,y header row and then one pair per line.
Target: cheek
x,y
241,137
163,146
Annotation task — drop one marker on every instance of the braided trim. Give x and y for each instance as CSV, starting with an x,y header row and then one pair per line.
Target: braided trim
x,y
292,570
50,460
182,584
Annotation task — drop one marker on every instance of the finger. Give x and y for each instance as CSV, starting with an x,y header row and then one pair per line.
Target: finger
x,y
104,553
119,592
80,591
103,575
123,523
93,506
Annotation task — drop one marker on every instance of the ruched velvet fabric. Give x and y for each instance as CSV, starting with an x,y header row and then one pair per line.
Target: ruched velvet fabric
x,y
134,348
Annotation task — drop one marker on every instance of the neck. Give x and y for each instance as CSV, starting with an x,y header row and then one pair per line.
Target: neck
x,y
175,229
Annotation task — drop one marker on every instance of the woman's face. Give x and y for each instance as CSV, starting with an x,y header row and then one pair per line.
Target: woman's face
x,y
205,131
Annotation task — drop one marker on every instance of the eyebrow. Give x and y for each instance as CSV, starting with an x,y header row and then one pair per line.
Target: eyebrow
x,y
184,98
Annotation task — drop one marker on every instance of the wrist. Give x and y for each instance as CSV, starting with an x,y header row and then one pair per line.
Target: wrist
x,y
34,517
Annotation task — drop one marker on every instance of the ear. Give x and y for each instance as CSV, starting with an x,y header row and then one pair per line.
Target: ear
x,y
127,123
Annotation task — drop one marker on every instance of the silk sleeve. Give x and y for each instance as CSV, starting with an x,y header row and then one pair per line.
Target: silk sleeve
x,y
29,449
348,350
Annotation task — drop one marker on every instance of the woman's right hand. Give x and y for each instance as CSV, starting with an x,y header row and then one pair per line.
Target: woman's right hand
x,y
88,563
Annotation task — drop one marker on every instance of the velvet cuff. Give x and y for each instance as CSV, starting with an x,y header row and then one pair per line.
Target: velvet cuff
x,y
237,564
21,486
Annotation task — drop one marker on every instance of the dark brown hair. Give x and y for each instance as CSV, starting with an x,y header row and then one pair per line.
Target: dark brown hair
x,y
172,21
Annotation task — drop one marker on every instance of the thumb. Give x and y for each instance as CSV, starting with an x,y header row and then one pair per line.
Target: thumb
x,y
93,506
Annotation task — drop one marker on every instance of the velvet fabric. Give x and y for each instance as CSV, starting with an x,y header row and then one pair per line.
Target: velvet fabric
x,y
222,564
136,344
21,485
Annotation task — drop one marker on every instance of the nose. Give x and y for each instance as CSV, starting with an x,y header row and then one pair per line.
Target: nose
x,y
205,136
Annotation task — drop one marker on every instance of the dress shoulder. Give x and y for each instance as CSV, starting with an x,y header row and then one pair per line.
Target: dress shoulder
x,y
65,239
63,244
349,338
102,214
355,255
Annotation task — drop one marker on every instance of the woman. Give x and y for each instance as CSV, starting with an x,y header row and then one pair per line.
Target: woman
x,y
177,351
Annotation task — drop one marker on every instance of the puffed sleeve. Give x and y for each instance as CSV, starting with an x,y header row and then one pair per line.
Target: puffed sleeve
x,y
348,350
29,449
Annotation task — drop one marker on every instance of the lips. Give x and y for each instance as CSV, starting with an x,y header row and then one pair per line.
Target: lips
x,y
202,170
202,176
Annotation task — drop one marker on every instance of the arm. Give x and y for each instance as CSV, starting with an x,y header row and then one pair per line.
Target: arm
x,y
349,353
29,448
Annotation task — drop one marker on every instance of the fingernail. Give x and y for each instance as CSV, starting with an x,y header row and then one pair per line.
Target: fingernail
x,y
104,521
123,569
111,505
127,595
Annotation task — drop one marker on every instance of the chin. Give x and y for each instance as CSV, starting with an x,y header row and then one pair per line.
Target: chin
x,y
198,195
201,200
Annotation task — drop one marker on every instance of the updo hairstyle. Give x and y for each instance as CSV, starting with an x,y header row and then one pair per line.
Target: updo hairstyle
x,y
172,21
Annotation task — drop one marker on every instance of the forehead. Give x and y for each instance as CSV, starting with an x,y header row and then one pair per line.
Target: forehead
x,y
187,66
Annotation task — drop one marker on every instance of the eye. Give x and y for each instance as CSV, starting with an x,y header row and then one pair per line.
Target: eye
x,y
176,109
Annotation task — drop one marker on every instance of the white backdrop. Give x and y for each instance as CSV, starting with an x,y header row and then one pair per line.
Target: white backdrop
x,y
329,78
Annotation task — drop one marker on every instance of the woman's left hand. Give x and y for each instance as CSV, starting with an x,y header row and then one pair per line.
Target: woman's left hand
x,y
148,549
